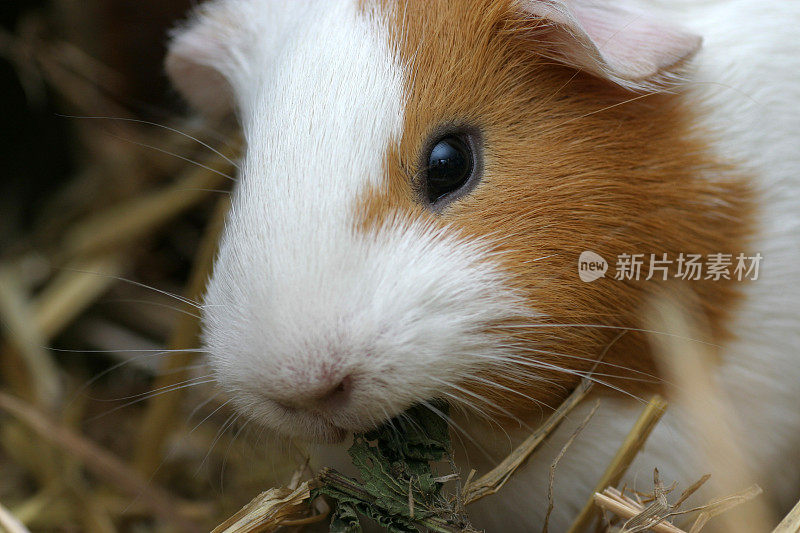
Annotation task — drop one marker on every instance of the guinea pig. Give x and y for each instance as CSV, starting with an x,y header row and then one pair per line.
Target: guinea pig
x,y
475,201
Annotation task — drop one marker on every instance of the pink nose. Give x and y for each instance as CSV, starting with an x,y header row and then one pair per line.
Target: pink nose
x,y
321,397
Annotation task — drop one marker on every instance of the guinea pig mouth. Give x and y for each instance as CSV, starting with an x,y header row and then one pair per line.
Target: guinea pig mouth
x,y
327,434
307,425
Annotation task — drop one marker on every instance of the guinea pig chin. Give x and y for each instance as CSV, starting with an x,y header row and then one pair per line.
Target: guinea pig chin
x,y
356,328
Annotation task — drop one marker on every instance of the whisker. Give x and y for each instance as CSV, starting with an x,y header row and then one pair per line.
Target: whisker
x,y
157,125
606,108
606,326
173,451
389,419
221,191
181,299
139,395
131,350
489,403
523,348
518,359
512,363
209,415
203,404
468,407
116,366
225,426
590,377
452,423
598,361
156,304
227,451
173,154
491,383
128,404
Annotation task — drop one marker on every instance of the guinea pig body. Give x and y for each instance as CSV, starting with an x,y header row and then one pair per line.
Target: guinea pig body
x,y
420,180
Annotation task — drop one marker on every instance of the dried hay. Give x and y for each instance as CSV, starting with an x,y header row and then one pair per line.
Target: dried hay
x,y
142,464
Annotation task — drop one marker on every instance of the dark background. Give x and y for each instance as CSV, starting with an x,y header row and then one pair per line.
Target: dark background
x,y
38,149
65,177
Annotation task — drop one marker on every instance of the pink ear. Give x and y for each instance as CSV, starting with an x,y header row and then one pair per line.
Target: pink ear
x,y
192,64
215,46
630,48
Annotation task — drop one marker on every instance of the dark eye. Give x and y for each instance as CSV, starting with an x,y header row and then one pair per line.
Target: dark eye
x,y
450,165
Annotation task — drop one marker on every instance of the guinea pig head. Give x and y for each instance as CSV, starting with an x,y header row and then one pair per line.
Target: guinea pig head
x,y
418,181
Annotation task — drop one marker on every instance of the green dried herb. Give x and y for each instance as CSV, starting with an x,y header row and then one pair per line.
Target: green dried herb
x,y
400,490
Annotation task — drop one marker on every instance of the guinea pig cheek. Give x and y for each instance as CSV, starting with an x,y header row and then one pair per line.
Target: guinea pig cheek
x,y
444,302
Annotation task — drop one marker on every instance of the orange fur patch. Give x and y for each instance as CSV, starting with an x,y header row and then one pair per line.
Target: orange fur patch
x,y
571,163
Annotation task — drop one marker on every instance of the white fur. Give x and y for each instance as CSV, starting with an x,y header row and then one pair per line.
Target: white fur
x,y
298,294
300,298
